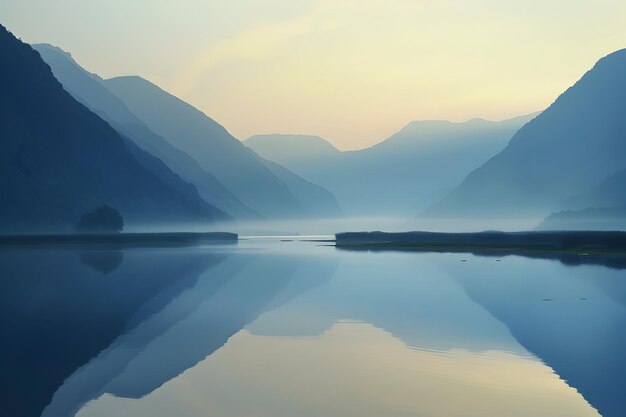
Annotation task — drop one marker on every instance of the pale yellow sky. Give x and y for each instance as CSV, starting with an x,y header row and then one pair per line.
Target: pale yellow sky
x,y
352,71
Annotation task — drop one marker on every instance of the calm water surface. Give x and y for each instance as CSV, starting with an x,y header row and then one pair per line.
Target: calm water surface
x,y
273,328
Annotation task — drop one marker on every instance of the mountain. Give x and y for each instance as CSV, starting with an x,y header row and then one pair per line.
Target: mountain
x,y
570,148
307,193
291,148
238,168
610,193
90,90
399,176
59,160
603,207
586,219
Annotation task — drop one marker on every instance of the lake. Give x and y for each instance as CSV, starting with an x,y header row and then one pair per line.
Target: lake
x,y
285,327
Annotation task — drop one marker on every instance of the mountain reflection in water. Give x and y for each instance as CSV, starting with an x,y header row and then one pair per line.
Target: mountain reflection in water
x,y
293,328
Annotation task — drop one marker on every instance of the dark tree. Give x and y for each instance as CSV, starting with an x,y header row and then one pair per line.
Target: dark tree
x,y
102,219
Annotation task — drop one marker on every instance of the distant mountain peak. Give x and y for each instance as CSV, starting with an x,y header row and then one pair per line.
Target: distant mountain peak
x,y
49,50
473,121
51,46
272,192
138,85
619,54
290,143
407,171
135,78
433,131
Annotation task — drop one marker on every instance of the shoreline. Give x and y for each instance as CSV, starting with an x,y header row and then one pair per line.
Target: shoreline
x,y
567,242
121,239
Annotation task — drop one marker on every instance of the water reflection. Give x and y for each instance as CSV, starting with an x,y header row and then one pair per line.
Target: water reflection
x,y
573,319
297,329
354,370
57,312
609,260
194,324
104,261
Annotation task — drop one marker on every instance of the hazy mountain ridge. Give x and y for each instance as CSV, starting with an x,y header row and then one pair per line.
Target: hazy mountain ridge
x,y
89,89
610,193
59,160
290,147
429,133
573,146
567,162
603,207
398,176
238,168
586,219
309,194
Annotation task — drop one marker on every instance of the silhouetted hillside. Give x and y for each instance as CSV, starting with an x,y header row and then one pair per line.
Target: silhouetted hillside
x,y
603,207
610,193
586,219
90,90
308,194
59,160
290,148
237,167
571,147
399,176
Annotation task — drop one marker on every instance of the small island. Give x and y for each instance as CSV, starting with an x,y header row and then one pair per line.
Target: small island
x,y
104,225
103,219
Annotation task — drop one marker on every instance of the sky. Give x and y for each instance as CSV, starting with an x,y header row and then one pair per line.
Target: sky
x,y
351,71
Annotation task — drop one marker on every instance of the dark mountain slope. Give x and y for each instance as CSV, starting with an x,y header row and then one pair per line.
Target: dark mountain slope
x,y
241,170
578,142
586,219
89,90
59,160
610,193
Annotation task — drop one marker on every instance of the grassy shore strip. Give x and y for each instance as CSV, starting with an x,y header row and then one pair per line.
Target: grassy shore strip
x,y
580,242
121,239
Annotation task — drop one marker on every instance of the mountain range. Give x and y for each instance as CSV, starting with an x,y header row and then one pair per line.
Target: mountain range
x,y
572,155
227,174
566,164
399,176
72,141
90,90
240,170
59,160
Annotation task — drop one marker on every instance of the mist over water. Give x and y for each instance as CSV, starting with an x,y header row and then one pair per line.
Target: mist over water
x,y
387,224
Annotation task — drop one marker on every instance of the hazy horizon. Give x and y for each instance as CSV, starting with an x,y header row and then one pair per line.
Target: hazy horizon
x,y
351,72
